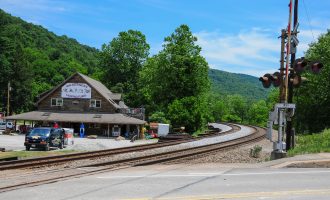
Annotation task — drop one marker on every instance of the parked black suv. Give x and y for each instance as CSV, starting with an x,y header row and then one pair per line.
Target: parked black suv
x,y
44,137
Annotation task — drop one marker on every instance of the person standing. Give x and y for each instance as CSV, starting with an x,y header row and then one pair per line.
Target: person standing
x,y
82,130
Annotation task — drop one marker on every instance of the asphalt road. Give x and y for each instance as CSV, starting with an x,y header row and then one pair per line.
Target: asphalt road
x,y
187,182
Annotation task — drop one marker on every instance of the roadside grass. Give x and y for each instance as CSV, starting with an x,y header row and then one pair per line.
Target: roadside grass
x,y
314,143
32,154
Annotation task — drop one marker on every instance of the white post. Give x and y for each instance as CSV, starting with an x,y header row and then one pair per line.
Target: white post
x,y
281,129
108,132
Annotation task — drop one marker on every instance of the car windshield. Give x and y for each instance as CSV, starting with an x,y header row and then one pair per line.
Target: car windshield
x,y
39,132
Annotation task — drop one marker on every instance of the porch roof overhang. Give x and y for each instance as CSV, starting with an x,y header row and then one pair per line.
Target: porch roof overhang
x,y
100,118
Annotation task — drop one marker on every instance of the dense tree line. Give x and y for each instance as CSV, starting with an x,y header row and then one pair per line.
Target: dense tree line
x,y
34,60
173,85
313,96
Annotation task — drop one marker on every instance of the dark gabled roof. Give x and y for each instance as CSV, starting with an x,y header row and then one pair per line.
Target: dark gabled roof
x,y
98,86
116,118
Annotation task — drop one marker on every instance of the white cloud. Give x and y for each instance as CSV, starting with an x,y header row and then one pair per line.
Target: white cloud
x,y
246,52
254,52
306,37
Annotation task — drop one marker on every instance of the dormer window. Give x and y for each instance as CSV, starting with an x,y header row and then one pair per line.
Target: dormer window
x,y
95,103
56,102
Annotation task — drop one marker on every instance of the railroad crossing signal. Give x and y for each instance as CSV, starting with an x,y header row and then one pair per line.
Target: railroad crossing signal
x,y
300,65
316,67
267,80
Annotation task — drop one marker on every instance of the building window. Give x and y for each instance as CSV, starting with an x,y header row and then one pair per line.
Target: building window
x,y
95,103
57,102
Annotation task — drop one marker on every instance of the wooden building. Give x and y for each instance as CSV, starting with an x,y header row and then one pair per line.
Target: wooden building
x,y
81,99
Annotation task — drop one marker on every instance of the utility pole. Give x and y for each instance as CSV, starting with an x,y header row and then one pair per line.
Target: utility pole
x,y
288,51
8,98
282,69
289,130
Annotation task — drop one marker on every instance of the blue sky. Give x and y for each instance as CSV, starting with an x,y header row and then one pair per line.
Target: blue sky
x,y
235,35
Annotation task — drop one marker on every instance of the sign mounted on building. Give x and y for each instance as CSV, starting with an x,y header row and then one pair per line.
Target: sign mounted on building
x,y
76,90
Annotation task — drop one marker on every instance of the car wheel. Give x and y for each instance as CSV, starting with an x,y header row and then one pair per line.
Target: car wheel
x,y
27,148
47,147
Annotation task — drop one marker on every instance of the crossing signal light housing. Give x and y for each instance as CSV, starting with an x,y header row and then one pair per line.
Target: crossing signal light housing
x,y
316,67
266,80
296,80
299,65
276,79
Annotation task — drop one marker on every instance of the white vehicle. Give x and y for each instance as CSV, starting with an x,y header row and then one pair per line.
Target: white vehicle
x,y
68,136
2,125
10,125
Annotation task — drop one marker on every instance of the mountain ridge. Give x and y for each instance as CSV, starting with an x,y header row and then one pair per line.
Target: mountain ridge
x,y
227,83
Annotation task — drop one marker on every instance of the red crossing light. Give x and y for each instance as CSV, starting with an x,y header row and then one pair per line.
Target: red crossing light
x,y
266,80
299,64
316,67
276,79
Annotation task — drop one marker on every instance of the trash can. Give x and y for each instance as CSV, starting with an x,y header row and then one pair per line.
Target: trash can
x,y
68,136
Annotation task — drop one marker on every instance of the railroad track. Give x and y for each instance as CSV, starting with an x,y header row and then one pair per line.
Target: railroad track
x,y
64,174
56,160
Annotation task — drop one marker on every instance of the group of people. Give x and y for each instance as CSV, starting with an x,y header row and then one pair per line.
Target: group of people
x,y
81,129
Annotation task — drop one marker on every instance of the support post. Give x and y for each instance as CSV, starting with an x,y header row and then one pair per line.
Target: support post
x,y
289,131
282,69
108,131
8,99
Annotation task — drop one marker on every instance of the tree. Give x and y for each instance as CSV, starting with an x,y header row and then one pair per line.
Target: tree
x,y
159,117
258,113
217,107
273,98
176,72
313,97
35,60
122,59
189,112
20,82
237,106
176,80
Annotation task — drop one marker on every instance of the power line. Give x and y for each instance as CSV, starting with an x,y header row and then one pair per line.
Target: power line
x,y
308,18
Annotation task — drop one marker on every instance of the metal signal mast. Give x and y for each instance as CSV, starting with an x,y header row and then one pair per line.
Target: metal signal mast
x,y
288,78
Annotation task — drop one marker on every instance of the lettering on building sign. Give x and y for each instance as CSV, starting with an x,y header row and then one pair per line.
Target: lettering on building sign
x,y
76,90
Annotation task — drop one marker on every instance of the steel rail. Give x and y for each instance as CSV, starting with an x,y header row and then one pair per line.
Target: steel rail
x,y
49,160
138,161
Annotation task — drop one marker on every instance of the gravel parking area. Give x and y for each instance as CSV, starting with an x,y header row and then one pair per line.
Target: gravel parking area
x,y
10,142
16,143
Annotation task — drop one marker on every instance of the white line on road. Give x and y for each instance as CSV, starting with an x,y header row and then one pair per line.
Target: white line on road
x,y
210,174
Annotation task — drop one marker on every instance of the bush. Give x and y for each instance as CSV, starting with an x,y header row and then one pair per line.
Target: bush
x,y
255,151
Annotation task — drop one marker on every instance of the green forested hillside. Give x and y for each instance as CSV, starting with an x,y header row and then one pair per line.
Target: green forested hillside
x,y
226,83
34,60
